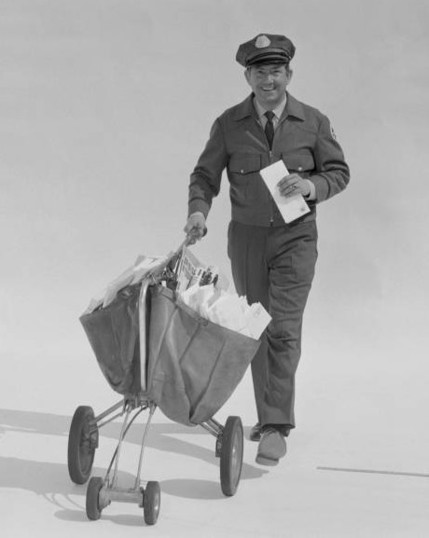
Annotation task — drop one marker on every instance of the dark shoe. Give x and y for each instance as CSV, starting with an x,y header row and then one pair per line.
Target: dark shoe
x,y
272,447
255,432
284,430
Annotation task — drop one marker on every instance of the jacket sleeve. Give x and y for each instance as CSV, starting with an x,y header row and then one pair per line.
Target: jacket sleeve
x,y
206,177
332,172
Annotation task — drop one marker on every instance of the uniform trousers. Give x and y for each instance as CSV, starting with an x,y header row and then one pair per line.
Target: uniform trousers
x,y
275,266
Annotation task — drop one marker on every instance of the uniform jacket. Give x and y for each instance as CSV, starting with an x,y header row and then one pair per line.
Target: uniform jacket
x,y
303,139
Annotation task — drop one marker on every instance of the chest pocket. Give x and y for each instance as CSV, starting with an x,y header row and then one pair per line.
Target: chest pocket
x,y
299,162
246,185
243,164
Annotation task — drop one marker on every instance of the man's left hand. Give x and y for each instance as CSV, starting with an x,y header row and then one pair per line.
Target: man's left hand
x,y
294,184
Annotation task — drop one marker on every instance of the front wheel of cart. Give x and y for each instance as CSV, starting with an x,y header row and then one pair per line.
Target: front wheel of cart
x,y
93,510
83,440
231,456
151,502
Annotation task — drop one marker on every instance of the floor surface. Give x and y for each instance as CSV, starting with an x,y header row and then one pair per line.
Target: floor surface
x,y
351,469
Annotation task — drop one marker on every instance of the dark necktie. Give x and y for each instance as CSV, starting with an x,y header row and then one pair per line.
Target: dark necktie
x,y
269,127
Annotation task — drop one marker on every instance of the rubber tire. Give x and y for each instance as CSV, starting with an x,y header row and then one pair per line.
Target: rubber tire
x,y
151,502
231,455
93,510
80,456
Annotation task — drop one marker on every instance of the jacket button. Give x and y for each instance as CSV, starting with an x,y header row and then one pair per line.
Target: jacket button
x,y
299,168
242,171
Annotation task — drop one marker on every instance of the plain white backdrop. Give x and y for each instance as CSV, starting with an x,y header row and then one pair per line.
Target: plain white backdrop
x,y
105,106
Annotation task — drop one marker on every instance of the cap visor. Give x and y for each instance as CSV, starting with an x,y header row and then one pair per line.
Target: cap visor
x,y
269,57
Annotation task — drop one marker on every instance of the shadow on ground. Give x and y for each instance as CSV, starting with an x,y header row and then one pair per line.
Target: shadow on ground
x,y
51,480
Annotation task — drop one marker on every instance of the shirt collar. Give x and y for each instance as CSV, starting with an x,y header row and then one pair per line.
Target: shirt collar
x,y
246,108
278,111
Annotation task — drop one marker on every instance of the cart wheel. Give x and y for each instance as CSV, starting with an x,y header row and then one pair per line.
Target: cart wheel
x,y
231,456
93,510
82,444
151,502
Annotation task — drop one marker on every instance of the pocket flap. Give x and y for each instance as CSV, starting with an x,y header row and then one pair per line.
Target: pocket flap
x,y
245,163
299,162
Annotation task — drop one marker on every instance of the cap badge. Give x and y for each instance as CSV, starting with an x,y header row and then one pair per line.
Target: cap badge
x,y
262,41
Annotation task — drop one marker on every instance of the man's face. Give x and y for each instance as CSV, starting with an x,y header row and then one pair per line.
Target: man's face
x,y
268,82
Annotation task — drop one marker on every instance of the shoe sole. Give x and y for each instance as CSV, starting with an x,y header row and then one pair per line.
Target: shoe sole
x,y
262,460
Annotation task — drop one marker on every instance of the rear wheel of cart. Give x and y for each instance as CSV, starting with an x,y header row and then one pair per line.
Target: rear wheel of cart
x,y
93,510
151,502
83,440
231,456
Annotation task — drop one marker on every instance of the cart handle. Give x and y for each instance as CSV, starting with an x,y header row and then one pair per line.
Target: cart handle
x,y
186,242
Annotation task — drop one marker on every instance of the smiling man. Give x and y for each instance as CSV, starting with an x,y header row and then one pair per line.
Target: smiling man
x,y
272,262
268,83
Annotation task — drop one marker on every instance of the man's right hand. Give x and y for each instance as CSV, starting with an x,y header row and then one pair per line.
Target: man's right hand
x,y
195,227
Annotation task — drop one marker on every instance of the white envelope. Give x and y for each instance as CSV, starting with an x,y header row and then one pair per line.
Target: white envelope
x,y
257,319
290,207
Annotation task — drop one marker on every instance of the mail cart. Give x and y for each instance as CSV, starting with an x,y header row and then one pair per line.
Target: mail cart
x,y
156,352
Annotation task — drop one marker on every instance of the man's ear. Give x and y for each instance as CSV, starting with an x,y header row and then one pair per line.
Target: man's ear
x,y
247,75
289,75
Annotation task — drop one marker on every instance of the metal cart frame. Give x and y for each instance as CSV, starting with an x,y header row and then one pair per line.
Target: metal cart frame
x,y
84,440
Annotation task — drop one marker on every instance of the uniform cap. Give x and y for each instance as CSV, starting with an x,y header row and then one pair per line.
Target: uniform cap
x,y
265,48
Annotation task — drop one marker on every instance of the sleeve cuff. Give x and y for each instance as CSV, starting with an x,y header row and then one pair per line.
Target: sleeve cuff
x,y
312,194
197,213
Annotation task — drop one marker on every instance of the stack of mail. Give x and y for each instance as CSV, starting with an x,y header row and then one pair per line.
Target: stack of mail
x,y
192,271
227,309
134,274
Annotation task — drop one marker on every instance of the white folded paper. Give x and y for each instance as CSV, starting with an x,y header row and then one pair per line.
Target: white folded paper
x,y
227,309
136,273
290,207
